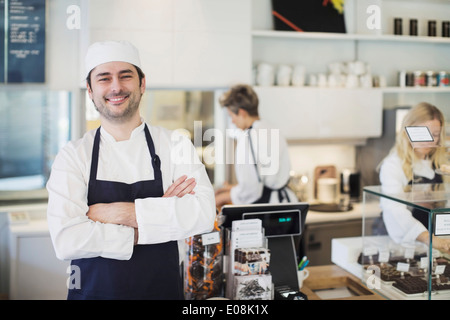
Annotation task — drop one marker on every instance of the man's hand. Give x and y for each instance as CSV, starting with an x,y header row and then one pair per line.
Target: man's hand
x,y
136,235
117,212
181,187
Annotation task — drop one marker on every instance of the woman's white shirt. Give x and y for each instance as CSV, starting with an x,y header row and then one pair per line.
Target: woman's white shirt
x,y
273,164
400,223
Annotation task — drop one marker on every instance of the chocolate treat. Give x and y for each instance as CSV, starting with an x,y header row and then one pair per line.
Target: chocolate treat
x,y
364,260
413,285
203,269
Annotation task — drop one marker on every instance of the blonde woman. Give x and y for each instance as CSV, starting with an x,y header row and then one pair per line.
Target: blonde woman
x,y
405,165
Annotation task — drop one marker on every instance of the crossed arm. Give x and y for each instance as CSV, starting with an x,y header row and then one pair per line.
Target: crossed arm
x,y
124,212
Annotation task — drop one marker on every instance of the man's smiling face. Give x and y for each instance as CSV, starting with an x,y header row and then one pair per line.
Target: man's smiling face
x,y
115,90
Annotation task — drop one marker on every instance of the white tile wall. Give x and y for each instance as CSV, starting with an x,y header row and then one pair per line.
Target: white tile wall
x,y
183,43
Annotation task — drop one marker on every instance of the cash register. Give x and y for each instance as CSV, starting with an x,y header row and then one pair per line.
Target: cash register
x,y
281,223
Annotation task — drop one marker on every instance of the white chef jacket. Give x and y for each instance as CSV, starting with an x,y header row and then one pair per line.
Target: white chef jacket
x,y
273,164
159,220
400,223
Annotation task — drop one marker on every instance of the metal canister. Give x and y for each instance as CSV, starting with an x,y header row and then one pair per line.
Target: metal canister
x,y
431,79
419,78
398,26
413,27
432,28
410,79
446,28
444,79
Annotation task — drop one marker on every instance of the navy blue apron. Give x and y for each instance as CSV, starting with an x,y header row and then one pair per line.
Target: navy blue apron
x,y
153,270
417,213
265,197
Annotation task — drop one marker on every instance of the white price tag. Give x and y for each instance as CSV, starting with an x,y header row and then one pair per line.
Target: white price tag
x,y
409,253
383,256
440,269
424,262
442,224
249,224
402,266
210,238
370,251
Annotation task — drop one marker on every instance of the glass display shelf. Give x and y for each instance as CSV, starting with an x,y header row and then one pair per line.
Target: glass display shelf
x,y
395,263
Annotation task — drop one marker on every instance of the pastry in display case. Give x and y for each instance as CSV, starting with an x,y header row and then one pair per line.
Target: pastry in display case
x,y
408,269
402,269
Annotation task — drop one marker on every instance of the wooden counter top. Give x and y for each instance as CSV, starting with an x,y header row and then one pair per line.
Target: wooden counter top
x,y
331,282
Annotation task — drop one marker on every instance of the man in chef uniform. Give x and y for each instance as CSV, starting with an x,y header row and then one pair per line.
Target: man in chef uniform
x,y
262,164
123,195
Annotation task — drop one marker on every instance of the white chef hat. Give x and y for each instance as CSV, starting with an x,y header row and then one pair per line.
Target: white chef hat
x,y
108,51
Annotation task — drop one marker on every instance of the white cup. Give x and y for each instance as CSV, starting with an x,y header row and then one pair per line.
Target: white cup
x,y
298,76
366,80
333,80
284,75
302,275
265,74
352,81
322,80
327,190
359,68
335,68
382,80
313,80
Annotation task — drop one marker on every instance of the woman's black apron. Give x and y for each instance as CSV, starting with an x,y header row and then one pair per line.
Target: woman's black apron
x,y
267,192
153,270
420,215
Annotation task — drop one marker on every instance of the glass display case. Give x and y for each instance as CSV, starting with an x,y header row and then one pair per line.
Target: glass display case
x,y
396,262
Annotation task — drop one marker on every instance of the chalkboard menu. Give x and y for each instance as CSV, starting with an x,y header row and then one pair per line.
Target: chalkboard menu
x,y
24,51
2,41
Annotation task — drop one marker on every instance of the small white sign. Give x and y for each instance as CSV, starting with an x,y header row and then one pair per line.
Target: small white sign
x,y
409,253
424,262
402,266
370,251
248,224
210,238
419,134
384,256
442,224
440,269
